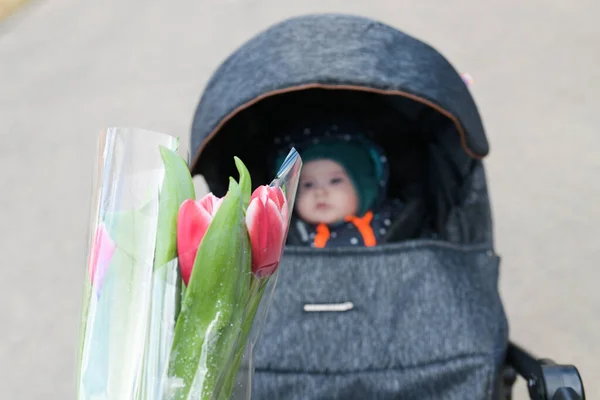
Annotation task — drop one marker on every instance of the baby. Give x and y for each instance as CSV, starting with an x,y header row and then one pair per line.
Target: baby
x,y
341,194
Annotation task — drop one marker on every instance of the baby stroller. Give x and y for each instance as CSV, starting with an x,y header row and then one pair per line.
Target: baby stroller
x,y
420,316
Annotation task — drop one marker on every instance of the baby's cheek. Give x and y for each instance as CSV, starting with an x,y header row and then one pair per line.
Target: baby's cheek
x,y
301,204
348,202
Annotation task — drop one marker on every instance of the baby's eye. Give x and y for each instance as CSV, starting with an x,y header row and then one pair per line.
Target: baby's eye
x,y
335,181
307,185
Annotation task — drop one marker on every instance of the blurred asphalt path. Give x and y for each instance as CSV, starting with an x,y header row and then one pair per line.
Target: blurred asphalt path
x,y
70,68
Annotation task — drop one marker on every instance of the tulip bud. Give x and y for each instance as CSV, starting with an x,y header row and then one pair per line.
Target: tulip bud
x,y
266,219
193,221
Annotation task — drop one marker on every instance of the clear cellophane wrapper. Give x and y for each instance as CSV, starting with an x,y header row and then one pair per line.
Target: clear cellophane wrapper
x,y
287,178
131,305
125,293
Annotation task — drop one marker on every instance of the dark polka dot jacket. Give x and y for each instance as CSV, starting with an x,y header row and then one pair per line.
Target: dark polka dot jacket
x,y
371,229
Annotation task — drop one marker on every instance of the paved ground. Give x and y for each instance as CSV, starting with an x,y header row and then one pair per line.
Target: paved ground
x,y
69,68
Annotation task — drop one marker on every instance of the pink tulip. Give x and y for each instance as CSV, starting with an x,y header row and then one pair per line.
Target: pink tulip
x,y
101,253
192,223
266,219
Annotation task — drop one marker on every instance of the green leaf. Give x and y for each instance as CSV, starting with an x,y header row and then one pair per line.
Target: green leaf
x,y
212,311
164,309
129,230
177,187
245,182
257,289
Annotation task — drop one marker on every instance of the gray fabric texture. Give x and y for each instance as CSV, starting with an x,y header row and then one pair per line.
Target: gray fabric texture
x,y
470,221
427,323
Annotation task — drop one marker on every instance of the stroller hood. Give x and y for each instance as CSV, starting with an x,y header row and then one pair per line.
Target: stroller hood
x,y
331,52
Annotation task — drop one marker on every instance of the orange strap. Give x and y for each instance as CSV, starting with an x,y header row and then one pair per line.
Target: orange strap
x,y
364,227
362,224
322,236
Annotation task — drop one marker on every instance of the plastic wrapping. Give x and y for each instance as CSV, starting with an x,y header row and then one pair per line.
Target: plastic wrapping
x,y
148,332
118,286
230,289
287,178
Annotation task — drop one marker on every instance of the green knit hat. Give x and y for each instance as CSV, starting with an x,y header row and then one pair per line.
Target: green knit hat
x,y
356,158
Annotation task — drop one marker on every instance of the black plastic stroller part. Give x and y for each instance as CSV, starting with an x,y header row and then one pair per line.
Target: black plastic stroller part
x,y
546,380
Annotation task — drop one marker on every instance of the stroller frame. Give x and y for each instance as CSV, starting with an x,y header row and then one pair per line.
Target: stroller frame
x,y
545,379
383,60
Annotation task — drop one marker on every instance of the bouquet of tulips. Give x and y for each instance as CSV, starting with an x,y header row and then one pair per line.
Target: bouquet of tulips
x,y
174,284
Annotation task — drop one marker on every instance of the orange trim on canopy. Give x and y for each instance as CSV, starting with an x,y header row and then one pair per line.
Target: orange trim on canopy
x,y
454,119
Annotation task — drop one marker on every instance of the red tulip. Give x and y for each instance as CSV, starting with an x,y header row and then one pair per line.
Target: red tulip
x,y
101,253
192,223
266,219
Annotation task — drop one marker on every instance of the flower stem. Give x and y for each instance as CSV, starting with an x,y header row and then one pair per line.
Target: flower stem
x,y
257,288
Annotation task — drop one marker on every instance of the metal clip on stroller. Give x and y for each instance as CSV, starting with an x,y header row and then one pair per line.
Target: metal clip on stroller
x,y
426,321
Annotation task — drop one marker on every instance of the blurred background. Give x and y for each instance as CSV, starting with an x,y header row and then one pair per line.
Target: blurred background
x,y
71,68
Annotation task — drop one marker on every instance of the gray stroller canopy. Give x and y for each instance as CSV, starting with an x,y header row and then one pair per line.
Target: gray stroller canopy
x,y
333,53
419,106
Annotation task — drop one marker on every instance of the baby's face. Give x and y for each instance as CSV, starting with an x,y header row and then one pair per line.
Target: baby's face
x,y
325,193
